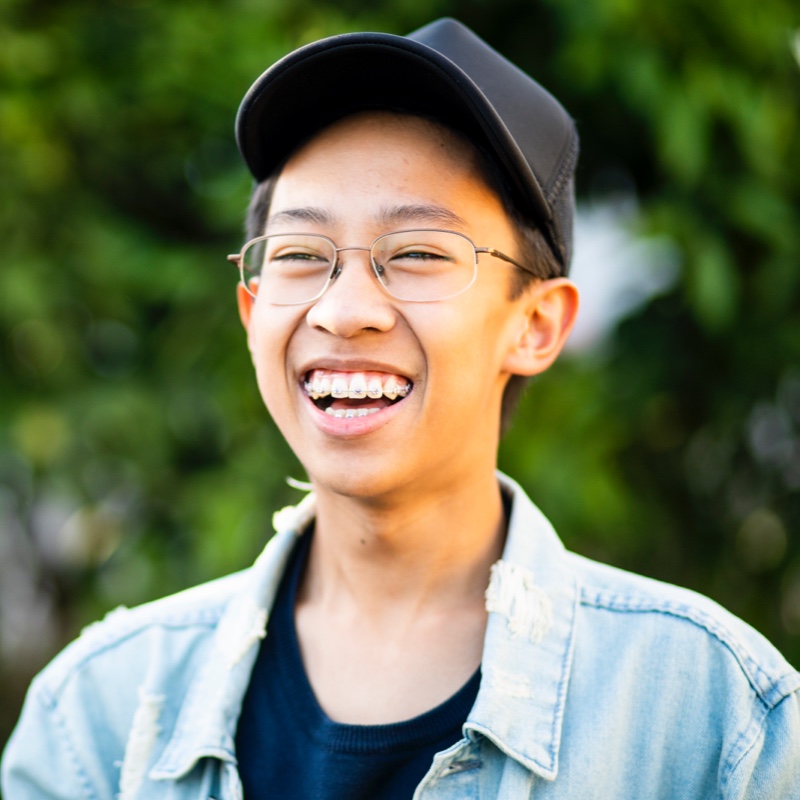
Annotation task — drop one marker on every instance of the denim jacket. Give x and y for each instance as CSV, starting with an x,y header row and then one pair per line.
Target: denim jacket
x,y
595,684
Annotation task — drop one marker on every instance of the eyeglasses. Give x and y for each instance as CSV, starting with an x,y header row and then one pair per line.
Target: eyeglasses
x,y
417,265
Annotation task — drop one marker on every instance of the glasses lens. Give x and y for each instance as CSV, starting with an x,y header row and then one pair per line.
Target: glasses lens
x,y
425,264
292,268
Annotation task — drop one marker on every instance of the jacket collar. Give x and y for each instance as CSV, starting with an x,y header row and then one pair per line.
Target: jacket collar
x,y
526,658
206,725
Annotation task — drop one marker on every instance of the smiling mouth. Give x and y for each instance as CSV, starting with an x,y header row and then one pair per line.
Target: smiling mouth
x,y
345,395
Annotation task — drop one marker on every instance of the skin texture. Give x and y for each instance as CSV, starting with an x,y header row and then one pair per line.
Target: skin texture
x,y
391,614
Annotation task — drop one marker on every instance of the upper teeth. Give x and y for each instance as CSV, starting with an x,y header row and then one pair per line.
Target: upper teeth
x,y
355,386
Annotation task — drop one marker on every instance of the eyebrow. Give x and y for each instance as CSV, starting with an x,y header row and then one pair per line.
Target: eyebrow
x,y
428,214
391,216
307,214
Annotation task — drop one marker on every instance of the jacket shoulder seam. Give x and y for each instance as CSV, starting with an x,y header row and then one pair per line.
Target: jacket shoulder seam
x,y
118,627
777,686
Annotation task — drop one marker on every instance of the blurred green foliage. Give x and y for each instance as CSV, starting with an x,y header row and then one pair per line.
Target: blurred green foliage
x,y
135,455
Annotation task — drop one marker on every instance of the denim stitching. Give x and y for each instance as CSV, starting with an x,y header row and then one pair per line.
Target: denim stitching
x,y
727,638
80,773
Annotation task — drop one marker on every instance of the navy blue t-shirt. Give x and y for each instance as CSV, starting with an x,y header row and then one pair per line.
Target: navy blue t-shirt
x,y
288,747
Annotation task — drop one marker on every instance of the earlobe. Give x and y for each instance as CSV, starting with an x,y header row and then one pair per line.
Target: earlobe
x,y
550,308
245,301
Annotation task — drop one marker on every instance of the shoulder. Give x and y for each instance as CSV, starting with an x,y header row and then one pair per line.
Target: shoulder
x,y
127,638
136,664
668,668
683,621
624,620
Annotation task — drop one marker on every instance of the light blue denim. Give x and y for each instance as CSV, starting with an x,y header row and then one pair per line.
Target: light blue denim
x,y
596,684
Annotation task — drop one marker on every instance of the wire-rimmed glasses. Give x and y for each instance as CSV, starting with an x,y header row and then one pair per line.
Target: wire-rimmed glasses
x,y
421,265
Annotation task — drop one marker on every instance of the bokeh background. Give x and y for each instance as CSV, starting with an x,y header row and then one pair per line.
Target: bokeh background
x,y
135,456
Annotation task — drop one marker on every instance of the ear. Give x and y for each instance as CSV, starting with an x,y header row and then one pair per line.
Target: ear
x,y
549,309
245,301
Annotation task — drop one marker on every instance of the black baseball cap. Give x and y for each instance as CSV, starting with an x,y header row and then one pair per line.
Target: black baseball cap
x,y
443,71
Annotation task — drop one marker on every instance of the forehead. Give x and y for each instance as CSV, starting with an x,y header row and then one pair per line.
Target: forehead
x,y
381,155
411,129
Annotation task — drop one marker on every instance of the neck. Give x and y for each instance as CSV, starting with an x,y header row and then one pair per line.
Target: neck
x,y
404,554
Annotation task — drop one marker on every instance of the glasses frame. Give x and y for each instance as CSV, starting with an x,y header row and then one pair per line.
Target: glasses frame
x,y
337,266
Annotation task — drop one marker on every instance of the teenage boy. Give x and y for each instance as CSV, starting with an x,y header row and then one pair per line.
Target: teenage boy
x,y
415,627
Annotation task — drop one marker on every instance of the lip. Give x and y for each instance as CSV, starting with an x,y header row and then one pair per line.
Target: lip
x,y
354,426
352,365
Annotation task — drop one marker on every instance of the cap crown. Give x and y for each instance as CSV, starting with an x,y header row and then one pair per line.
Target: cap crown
x,y
442,70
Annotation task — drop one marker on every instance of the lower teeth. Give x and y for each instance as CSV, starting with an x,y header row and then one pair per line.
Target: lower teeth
x,y
349,413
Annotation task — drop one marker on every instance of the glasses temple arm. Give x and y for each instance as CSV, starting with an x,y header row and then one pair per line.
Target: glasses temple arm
x,y
497,254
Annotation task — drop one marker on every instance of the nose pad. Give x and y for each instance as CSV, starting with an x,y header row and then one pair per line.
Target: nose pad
x,y
361,304
337,271
353,266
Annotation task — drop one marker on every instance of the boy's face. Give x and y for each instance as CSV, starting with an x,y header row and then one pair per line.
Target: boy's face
x,y
365,176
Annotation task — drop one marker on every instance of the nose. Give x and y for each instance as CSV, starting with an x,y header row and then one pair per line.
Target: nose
x,y
354,301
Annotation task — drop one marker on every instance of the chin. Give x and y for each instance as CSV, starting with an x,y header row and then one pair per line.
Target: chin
x,y
358,481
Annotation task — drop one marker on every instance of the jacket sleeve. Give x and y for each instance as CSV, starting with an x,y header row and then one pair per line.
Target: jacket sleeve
x,y
769,768
42,759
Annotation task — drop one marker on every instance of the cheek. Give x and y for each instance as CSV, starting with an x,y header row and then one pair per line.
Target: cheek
x,y
465,351
268,340
475,334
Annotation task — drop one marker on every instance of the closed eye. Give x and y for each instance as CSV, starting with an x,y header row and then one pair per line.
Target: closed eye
x,y
298,256
417,258
420,253
298,264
